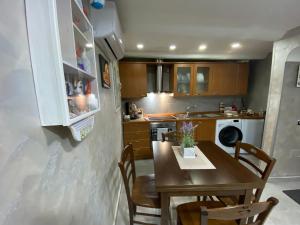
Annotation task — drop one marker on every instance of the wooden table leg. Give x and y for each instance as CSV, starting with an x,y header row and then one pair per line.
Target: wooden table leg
x,y
165,205
246,199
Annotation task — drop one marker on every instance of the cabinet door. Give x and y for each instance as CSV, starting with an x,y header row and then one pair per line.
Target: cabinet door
x,y
224,80
182,79
206,130
202,79
133,77
242,79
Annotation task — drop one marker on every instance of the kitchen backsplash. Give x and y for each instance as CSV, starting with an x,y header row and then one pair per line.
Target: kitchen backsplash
x,y
164,103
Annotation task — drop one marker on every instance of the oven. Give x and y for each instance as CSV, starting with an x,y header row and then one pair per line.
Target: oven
x,y
157,128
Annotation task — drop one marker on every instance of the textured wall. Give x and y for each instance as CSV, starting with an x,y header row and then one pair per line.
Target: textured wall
x,y
45,177
259,81
287,140
163,103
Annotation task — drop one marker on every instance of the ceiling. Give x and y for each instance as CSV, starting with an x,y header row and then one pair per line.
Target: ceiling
x,y
216,23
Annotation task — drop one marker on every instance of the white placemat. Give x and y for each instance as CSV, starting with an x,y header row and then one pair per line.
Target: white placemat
x,y
201,162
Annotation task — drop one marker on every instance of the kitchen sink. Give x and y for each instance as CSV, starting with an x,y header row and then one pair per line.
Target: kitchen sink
x,y
195,116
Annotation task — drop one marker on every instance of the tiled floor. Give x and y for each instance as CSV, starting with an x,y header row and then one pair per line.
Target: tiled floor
x,y
287,212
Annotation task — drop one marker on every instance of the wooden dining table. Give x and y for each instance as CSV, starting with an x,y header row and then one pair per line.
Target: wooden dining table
x,y
228,178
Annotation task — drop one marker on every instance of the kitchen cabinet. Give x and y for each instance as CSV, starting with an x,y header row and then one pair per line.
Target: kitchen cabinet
x,y
242,79
202,78
183,79
63,61
211,79
138,134
133,77
192,79
230,79
224,80
205,131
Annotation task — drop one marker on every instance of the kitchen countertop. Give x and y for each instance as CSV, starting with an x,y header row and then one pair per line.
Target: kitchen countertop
x,y
220,116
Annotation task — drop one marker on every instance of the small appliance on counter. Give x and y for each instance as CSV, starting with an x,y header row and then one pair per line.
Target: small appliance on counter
x,y
132,110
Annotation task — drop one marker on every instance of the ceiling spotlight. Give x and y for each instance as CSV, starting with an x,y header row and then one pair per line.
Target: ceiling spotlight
x,y
89,45
235,45
202,47
172,47
140,46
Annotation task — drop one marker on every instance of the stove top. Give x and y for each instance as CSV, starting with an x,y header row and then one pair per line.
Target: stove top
x,y
161,118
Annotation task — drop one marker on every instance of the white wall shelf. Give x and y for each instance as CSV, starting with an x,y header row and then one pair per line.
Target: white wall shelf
x,y
58,32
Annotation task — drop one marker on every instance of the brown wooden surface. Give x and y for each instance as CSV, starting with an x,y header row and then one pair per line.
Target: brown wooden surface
x,y
229,177
224,80
265,161
138,134
206,130
143,191
214,213
133,77
242,79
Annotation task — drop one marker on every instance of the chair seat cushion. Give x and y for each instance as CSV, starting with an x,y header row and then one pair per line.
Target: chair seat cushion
x,y
189,213
144,193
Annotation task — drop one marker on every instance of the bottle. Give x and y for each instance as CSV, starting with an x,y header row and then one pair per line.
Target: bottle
x,y
221,107
86,62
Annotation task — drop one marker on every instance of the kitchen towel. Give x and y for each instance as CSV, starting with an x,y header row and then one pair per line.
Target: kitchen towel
x,y
201,162
160,131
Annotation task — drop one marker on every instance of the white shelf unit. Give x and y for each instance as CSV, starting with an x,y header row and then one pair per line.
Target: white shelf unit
x,y
58,31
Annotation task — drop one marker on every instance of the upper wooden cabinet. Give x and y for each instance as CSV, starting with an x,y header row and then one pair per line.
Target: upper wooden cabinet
x,y
230,79
133,77
183,79
208,79
242,79
190,79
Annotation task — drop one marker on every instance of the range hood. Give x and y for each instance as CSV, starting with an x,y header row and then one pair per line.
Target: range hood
x,y
159,77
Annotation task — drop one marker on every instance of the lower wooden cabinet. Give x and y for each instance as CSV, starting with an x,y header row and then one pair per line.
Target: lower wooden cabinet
x,y
138,134
205,130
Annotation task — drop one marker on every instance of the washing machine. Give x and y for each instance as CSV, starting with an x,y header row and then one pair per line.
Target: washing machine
x,y
252,130
228,132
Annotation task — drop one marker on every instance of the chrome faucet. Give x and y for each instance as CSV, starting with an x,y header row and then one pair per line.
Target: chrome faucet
x,y
188,108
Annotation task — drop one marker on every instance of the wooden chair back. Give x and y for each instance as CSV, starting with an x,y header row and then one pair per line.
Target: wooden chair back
x,y
127,168
170,136
261,209
261,156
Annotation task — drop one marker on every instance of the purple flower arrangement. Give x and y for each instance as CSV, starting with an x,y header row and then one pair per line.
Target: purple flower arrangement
x,y
187,130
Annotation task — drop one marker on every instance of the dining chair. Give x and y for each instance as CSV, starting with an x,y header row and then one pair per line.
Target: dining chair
x,y
174,135
140,190
170,136
210,213
260,156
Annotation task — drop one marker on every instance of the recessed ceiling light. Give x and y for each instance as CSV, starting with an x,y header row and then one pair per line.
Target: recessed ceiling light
x,y
89,45
140,46
202,47
236,45
172,47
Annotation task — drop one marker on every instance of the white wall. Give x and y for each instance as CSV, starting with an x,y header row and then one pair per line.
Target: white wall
x,y
45,177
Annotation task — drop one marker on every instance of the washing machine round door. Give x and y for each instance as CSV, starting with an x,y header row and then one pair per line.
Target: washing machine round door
x,y
228,136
